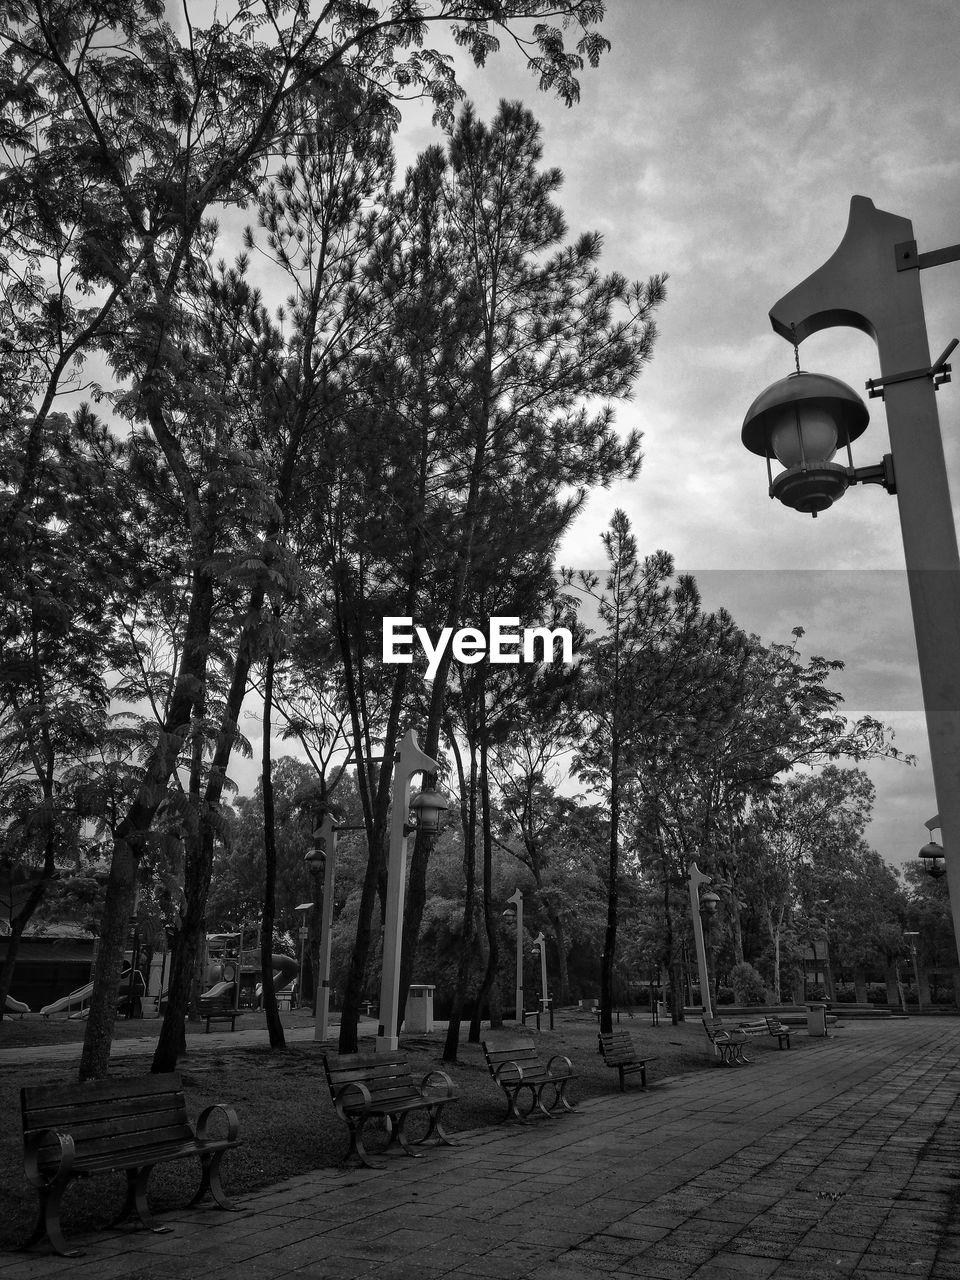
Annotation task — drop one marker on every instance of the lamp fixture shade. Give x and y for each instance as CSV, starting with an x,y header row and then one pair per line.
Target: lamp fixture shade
x,y
802,420
315,858
428,807
932,855
817,399
803,433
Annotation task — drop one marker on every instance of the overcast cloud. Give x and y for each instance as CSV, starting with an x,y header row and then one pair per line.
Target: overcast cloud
x,y
720,141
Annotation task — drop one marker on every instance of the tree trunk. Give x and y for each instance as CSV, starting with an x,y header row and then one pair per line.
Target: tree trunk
x,y
860,984
465,960
17,926
613,873
489,915
199,847
133,832
274,1025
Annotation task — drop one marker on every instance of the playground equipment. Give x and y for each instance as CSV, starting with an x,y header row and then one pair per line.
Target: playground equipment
x,y
228,963
65,1003
284,967
81,995
16,1006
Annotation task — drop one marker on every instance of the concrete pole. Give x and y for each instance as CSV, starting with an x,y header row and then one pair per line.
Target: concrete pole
x,y
861,286
541,942
409,760
328,835
517,900
695,878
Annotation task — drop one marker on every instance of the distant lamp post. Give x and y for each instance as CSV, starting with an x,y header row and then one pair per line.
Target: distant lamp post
x,y
304,908
517,901
913,935
315,861
323,857
695,878
872,283
540,950
427,808
931,855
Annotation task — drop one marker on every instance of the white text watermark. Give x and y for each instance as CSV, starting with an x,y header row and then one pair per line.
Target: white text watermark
x,y
504,642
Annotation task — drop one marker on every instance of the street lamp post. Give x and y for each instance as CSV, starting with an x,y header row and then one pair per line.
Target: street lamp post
x,y
540,950
327,839
517,900
872,283
409,760
913,935
695,878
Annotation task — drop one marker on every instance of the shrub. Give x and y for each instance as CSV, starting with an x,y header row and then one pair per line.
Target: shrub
x,y
748,986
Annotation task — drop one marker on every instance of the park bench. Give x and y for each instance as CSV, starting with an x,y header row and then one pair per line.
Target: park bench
x,y
618,1051
517,1066
219,1009
770,1026
365,1086
727,1042
123,1124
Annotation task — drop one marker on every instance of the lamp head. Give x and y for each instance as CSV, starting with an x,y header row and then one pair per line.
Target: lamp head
x,y
427,808
315,859
801,421
932,856
708,903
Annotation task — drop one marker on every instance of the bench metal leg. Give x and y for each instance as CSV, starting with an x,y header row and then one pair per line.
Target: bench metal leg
x,y
397,1131
436,1130
513,1094
355,1125
210,1181
137,1180
48,1222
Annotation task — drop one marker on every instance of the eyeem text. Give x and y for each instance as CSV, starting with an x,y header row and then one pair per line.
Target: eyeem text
x,y
503,643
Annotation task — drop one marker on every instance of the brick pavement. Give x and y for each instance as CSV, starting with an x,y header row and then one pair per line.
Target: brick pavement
x,y
840,1157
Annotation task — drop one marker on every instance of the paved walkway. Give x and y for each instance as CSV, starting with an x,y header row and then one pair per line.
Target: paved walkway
x,y
840,1159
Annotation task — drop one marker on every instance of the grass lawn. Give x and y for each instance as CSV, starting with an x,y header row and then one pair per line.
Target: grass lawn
x,y
287,1123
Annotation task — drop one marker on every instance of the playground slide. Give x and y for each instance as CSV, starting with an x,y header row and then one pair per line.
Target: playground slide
x,y
63,1004
218,989
284,967
80,996
16,1006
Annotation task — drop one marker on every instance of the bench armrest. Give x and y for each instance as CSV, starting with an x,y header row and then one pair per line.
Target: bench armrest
x,y
503,1065
31,1158
233,1124
559,1057
366,1098
447,1082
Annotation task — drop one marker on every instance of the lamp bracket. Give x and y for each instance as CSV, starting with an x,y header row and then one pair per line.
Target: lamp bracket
x,y
879,473
939,372
908,259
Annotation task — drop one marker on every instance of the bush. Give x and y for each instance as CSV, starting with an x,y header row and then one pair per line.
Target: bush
x,y
726,995
748,986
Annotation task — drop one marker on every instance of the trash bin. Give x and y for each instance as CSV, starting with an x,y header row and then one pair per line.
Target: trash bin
x,y
816,1019
419,1012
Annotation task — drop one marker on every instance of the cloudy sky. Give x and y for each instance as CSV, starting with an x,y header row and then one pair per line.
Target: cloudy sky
x,y
720,141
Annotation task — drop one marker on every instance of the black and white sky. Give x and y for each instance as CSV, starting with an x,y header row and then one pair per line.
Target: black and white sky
x,y
721,141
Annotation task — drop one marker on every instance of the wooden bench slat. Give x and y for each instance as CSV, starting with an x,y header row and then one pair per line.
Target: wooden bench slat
x,y
618,1051
372,1085
128,1124
728,1042
160,1104
518,1066
116,1087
